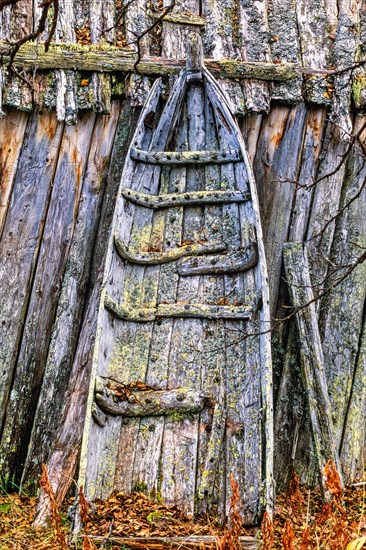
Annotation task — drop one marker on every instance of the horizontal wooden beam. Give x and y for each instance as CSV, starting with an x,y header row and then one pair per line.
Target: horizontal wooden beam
x,y
186,157
189,198
112,59
181,310
220,264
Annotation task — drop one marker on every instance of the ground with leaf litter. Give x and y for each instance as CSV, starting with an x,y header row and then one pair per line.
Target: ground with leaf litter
x,y
301,521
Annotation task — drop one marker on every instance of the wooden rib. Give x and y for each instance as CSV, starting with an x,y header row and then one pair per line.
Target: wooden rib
x,y
220,264
183,311
186,157
185,199
170,255
150,402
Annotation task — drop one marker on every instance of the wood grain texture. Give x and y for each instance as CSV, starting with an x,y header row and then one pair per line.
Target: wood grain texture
x,y
66,327
312,360
19,246
12,131
44,292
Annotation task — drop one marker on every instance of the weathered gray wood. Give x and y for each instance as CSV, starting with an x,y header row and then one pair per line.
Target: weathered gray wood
x,y
181,310
65,451
66,183
66,100
316,45
71,301
285,46
102,30
186,157
182,543
342,311
185,199
312,360
194,57
224,264
170,255
279,169
12,130
150,403
21,236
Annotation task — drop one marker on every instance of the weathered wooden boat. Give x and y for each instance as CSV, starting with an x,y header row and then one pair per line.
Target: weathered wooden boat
x,y
180,395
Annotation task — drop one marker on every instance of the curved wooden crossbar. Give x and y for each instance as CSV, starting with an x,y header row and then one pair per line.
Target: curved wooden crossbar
x,y
226,263
158,258
184,311
191,198
186,157
150,402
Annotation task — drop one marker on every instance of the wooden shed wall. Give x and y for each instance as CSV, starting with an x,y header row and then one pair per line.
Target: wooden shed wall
x,y
58,189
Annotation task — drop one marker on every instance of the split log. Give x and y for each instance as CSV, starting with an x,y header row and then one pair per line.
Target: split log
x,y
102,31
312,361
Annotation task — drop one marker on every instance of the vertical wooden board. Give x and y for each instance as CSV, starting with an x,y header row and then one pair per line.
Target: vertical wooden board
x,y
211,468
44,293
342,309
66,100
285,46
254,38
271,134
180,440
173,35
325,204
21,236
250,128
346,50
72,297
354,427
282,174
314,129
12,130
316,45
102,30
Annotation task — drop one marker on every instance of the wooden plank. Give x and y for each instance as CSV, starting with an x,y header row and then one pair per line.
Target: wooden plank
x,y
342,310
182,543
186,157
65,80
316,44
311,149
183,310
12,130
279,170
22,232
184,199
312,360
254,46
102,30
71,301
285,46
44,292
110,59
65,450
158,258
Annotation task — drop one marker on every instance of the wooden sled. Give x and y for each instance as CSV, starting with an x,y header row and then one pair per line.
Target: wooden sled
x,y
180,394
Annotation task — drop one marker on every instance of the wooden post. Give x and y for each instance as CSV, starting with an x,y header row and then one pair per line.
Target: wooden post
x,y
311,354
194,57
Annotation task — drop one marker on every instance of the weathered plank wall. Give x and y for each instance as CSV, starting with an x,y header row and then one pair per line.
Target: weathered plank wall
x,y
57,193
